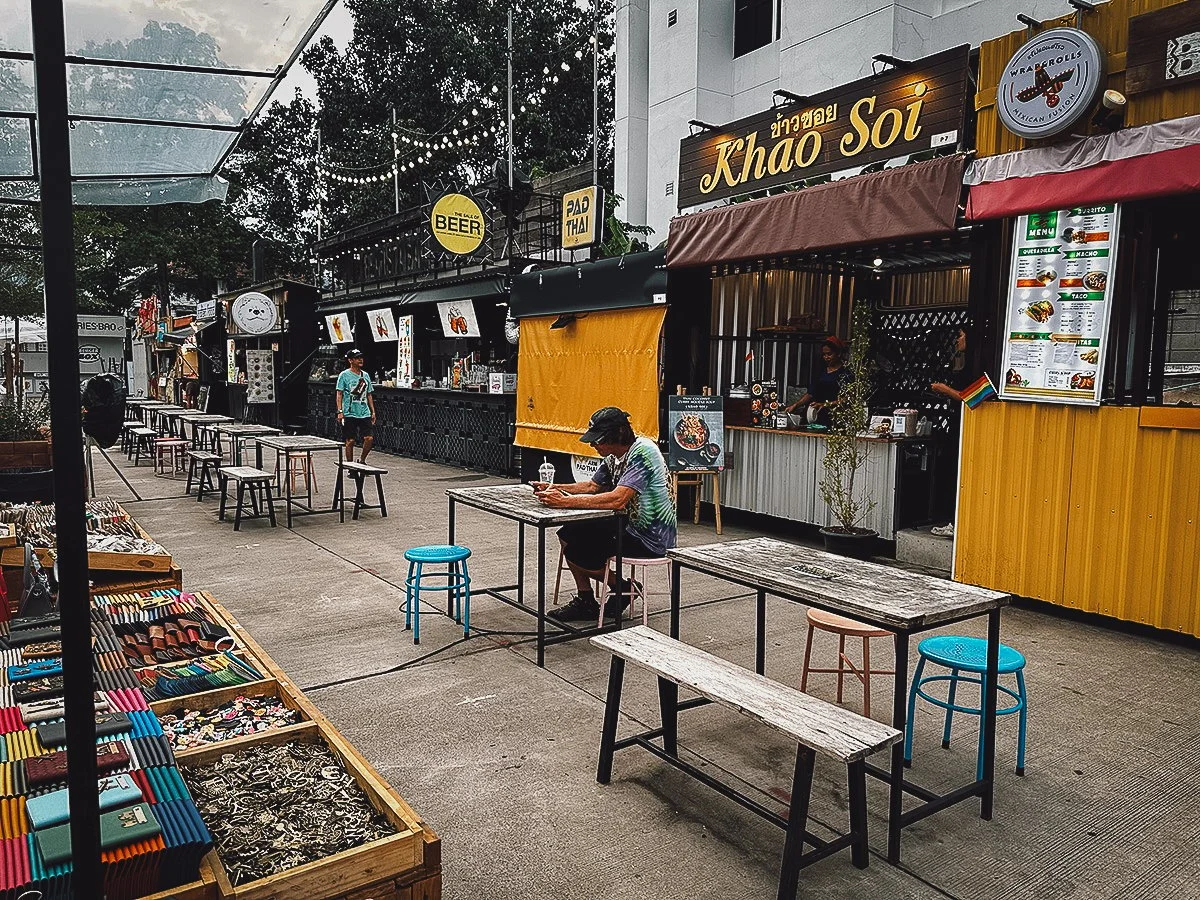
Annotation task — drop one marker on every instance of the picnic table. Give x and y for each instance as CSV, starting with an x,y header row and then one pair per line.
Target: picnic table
x,y
900,601
287,446
201,423
517,503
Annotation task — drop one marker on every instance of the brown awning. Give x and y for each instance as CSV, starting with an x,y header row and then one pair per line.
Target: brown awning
x,y
912,201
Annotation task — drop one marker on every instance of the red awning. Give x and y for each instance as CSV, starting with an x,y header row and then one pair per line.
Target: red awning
x,y
1159,160
917,200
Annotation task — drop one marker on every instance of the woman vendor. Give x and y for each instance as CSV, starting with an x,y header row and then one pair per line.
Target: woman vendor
x,y
826,382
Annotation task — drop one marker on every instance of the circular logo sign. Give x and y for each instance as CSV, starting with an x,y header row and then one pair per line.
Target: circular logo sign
x,y
89,353
254,313
457,223
1050,83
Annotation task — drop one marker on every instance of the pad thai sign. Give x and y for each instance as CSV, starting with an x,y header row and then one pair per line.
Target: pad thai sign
x,y
902,111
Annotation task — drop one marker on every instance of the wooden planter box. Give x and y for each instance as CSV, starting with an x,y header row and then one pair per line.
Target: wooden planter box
x,y
342,874
25,455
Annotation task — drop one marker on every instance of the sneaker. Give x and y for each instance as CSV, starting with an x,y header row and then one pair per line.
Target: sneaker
x,y
581,608
946,531
610,605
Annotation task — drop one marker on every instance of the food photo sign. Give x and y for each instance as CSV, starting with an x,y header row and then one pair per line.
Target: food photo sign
x,y
1058,304
697,434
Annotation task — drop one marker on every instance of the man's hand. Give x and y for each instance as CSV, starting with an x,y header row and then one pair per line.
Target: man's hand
x,y
553,498
539,486
372,418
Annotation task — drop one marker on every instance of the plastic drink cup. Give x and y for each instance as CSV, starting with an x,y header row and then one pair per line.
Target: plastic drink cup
x,y
546,472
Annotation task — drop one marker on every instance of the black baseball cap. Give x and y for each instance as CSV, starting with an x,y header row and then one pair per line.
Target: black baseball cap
x,y
355,354
603,423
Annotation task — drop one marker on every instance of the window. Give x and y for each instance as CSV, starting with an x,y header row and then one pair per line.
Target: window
x,y
1181,369
670,188
672,17
753,24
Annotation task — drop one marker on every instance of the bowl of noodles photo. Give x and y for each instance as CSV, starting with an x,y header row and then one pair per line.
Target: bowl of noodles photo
x,y
691,432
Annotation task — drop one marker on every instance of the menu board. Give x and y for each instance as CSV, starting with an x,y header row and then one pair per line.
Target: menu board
x,y
1058,304
404,351
697,429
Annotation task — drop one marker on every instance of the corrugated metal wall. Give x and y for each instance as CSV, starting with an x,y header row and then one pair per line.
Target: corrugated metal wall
x,y
1109,25
1082,508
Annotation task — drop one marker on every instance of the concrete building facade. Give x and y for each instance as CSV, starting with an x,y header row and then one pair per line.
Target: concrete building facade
x,y
720,60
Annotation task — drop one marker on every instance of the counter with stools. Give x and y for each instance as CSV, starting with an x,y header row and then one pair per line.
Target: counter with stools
x,y
358,473
249,480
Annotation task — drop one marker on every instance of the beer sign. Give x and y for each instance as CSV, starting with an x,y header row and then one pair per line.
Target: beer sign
x,y
582,217
457,224
899,112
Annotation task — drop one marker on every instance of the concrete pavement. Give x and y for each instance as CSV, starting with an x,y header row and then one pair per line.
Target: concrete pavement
x,y
499,756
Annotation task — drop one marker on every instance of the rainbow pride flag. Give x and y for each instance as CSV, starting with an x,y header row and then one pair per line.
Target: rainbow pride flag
x,y
977,392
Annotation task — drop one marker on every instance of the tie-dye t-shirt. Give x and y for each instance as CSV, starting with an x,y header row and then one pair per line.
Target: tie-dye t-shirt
x,y
651,513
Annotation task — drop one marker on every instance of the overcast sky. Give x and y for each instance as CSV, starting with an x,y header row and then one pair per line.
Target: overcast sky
x,y
338,26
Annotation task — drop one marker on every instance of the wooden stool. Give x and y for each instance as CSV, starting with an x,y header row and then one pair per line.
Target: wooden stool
x,y
299,467
127,429
819,620
358,472
142,440
258,481
208,463
169,450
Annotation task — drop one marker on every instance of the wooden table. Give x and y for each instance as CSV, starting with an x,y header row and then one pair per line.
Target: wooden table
x,y
173,416
201,422
287,446
903,602
238,433
159,415
517,503
145,407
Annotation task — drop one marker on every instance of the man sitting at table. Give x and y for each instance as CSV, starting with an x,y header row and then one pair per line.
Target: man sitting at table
x,y
632,477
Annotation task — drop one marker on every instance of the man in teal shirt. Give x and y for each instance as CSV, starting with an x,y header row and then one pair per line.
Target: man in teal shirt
x,y
356,406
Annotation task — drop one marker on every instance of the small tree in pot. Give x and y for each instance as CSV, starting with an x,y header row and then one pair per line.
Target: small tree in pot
x,y
845,453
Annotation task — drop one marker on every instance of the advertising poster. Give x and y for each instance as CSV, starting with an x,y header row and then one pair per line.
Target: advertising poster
x,y
339,328
697,428
231,370
458,318
383,324
1058,305
404,351
260,376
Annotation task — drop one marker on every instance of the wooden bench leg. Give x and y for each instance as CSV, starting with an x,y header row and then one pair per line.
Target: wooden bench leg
x,y
860,854
359,500
223,486
338,503
793,844
270,501
668,704
379,488
612,709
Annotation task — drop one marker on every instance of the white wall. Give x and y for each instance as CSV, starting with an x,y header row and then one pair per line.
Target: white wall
x,y
691,72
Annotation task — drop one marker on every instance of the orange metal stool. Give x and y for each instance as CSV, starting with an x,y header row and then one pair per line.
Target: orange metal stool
x,y
819,620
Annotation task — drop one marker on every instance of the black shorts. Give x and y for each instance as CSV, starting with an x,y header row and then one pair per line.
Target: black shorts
x,y
355,428
592,543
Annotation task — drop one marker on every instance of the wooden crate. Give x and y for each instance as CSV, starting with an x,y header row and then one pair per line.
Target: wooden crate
x,y
343,873
204,888
209,699
99,560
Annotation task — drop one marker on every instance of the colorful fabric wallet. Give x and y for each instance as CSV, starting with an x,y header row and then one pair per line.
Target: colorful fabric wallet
x,y
54,734
37,689
48,769
54,808
117,828
42,668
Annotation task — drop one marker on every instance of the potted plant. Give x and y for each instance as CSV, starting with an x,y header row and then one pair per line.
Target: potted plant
x,y
25,462
846,453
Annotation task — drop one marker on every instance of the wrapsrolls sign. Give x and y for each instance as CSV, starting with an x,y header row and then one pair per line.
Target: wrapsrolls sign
x,y
902,111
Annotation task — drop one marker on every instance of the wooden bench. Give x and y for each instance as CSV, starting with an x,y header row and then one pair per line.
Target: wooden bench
x,y
207,463
815,725
259,484
141,440
358,472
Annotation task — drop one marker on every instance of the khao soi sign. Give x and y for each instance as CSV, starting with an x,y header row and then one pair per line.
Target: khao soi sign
x,y
898,112
457,223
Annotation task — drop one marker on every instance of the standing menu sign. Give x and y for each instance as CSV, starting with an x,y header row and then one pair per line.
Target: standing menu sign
x,y
1058,304
697,442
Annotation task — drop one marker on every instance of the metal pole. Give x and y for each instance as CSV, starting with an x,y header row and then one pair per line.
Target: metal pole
x,y
58,254
318,185
395,160
595,92
510,92
18,381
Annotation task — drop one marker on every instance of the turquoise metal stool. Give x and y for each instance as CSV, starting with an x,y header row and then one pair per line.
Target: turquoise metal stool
x,y
966,654
457,586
